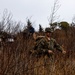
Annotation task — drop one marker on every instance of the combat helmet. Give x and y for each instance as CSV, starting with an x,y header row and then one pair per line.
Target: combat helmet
x,y
48,30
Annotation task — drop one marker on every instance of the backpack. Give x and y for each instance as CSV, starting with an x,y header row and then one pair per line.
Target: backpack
x,y
37,41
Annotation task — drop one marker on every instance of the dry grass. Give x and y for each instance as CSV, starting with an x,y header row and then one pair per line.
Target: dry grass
x,y
15,58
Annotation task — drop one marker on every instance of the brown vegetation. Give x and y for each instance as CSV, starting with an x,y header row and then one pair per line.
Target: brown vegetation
x,y
16,60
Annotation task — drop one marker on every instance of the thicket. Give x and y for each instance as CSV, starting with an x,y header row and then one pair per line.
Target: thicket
x,y
16,60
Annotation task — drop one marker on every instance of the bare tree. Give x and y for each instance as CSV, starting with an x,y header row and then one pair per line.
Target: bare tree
x,y
6,19
53,16
8,25
17,27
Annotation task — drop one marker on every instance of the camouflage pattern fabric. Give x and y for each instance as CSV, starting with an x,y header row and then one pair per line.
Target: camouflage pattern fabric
x,y
43,45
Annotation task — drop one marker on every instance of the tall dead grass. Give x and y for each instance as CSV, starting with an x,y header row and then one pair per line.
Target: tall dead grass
x,y
16,60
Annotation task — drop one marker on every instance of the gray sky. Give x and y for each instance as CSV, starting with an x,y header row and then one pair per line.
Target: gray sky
x,y
38,10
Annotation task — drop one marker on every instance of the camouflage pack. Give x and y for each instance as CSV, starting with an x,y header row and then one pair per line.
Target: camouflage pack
x,y
37,41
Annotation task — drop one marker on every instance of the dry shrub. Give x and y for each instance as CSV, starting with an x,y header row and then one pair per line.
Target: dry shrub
x,y
16,60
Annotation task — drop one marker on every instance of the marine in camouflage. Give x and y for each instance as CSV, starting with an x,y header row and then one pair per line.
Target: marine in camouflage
x,y
43,45
46,44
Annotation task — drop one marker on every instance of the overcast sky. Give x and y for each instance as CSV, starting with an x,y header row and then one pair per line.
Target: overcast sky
x,y
38,10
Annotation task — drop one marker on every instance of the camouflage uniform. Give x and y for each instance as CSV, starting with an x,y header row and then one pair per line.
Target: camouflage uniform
x,y
43,45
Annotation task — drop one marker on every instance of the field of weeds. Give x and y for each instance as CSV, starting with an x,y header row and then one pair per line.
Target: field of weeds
x,y
16,60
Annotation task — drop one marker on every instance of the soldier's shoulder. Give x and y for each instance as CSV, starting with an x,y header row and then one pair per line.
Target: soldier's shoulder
x,y
53,39
40,38
43,39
